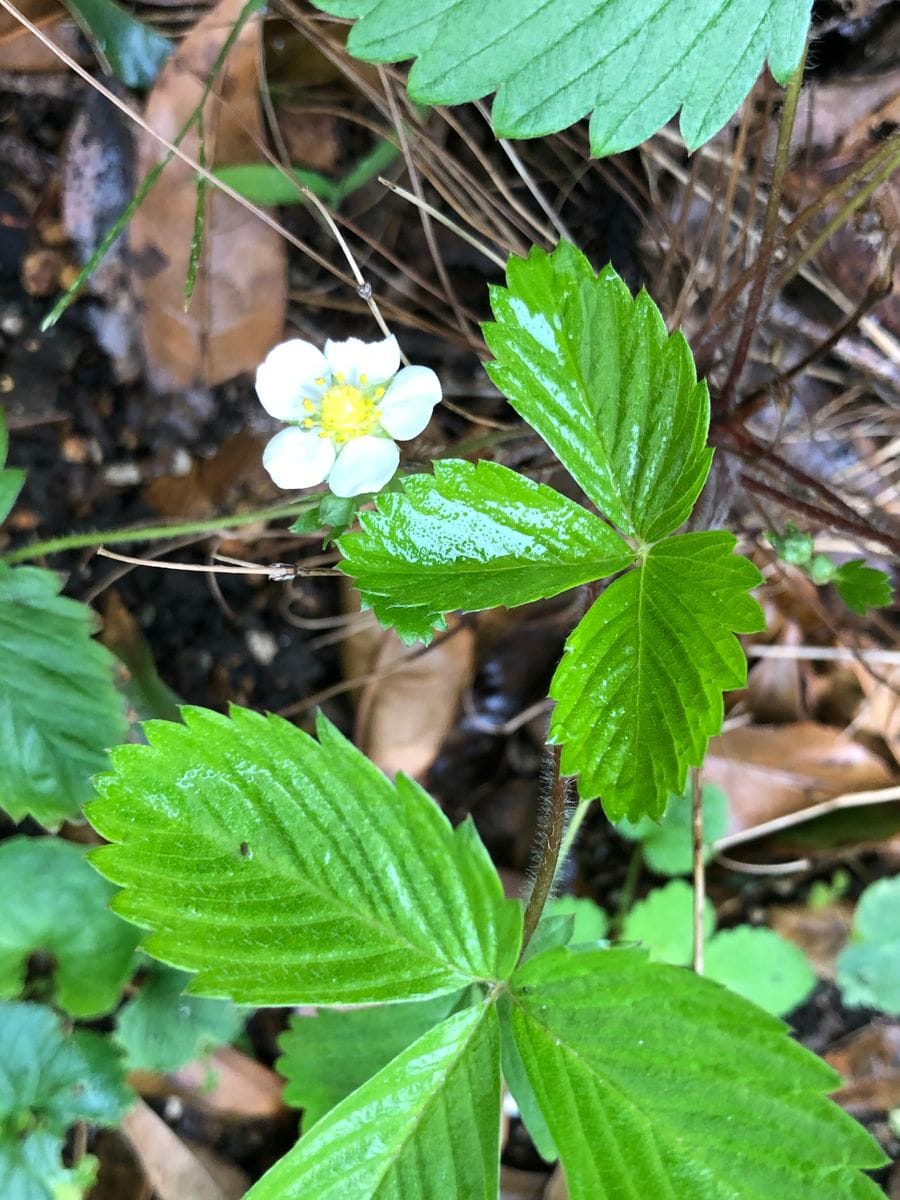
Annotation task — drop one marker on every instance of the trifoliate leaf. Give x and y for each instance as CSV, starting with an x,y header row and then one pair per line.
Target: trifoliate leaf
x,y
596,373
327,1056
868,970
53,900
668,845
639,688
290,871
664,923
427,1126
655,1082
473,536
862,587
632,64
162,1028
59,710
11,479
760,966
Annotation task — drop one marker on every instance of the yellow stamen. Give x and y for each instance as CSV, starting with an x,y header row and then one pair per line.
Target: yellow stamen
x,y
308,404
379,392
347,413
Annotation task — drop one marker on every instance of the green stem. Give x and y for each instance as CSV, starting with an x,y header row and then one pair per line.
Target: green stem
x,y
572,830
629,887
154,533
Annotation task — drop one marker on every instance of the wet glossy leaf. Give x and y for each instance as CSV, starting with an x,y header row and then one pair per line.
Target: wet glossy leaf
x,y
59,710
862,587
631,63
760,966
639,688
162,1028
11,478
49,1080
290,871
655,1082
616,398
134,51
868,970
327,1056
473,536
426,1126
54,901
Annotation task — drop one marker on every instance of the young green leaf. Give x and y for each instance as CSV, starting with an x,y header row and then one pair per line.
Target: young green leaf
x,y
639,688
161,1028
11,478
473,536
862,587
328,1056
762,967
668,845
134,51
594,370
426,1126
633,63
59,710
868,970
590,922
663,923
656,1082
52,900
48,1081
290,871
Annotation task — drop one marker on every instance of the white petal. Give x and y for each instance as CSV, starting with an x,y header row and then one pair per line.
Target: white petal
x,y
364,465
407,404
364,363
286,377
298,459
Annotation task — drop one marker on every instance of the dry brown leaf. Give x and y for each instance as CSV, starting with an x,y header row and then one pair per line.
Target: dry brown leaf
x,y
869,1063
172,1170
238,307
405,714
821,933
879,713
211,482
768,771
20,50
775,686
243,1086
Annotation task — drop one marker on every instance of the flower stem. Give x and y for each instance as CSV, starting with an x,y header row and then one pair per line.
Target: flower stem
x,y
550,841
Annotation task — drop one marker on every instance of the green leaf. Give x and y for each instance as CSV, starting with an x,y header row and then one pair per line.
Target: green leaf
x,y
473,536
616,398
290,871
53,900
327,1056
31,1169
162,1028
639,688
427,1126
760,966
11,478
59,710
862,587
48,1081
134,51
655,1082
591,924
631,63
668,845
264,183
868,970
664,923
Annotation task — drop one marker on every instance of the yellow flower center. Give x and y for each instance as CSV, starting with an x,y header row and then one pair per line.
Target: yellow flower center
x,y
347,413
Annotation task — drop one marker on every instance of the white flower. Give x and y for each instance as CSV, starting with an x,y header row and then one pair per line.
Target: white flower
x,y
344,408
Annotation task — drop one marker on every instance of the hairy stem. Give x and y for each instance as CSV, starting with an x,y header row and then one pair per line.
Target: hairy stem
x,y
550,841
770,228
